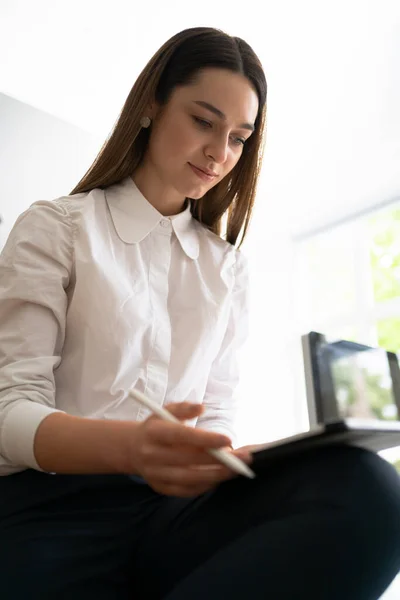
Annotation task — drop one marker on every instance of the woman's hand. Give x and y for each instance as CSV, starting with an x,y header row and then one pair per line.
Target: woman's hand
x,y
252,448
173,458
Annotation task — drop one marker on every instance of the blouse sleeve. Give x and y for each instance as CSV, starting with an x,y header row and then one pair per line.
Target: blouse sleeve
x,y
219,400
35,268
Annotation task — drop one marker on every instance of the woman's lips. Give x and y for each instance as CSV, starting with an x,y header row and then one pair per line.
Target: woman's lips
x,y
204,176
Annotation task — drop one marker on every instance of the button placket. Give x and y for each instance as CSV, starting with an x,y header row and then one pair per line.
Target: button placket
x,y
160,350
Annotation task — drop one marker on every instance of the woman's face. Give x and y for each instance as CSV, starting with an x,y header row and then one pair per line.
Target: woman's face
x,y
199,135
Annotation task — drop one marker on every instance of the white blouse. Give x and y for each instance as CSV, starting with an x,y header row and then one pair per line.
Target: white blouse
x,y
100,293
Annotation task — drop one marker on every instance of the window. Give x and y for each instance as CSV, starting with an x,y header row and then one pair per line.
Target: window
x,y
349,280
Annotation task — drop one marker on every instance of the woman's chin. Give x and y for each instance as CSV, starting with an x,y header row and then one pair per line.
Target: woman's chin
x,y
197,192
195,196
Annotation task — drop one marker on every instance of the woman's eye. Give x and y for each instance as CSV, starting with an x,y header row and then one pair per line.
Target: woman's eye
x,y
202,122
239,141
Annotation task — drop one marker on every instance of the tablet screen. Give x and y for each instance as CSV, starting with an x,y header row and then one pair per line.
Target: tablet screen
x,y
362,381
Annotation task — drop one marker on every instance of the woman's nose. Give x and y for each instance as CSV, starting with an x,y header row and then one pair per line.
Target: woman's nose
x,y
217,151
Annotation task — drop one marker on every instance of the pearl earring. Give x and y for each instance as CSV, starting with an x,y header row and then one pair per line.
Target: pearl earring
x,y
145,122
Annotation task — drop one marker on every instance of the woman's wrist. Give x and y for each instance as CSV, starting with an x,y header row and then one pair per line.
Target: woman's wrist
x,y
69,444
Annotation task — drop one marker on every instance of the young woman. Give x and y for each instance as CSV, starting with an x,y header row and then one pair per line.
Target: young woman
x,y
127,283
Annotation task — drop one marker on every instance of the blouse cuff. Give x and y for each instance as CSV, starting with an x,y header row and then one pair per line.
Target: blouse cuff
x,y
19,431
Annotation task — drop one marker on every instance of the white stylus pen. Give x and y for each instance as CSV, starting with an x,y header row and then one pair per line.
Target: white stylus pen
x,y
229,460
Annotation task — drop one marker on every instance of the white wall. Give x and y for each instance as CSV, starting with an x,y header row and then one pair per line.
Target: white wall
x,y
41,158
272,391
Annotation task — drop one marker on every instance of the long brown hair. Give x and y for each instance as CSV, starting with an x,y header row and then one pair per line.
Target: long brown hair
x,y
174,64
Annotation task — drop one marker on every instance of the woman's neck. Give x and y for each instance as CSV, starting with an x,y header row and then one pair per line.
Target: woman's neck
x,y
164,199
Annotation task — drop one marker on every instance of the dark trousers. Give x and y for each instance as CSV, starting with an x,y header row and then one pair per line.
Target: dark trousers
x,y
323,526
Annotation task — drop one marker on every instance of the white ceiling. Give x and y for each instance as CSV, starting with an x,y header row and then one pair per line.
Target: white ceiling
x,y
333,70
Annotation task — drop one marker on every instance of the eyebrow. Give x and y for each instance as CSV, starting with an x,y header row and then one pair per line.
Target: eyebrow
x,y
220,114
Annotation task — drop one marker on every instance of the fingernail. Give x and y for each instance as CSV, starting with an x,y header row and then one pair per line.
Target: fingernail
x,y
246,457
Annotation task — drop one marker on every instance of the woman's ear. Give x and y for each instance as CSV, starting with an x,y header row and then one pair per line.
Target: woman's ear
x,y
153,110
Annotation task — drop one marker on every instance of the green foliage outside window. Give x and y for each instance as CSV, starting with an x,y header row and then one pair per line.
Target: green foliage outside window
x,y
389,334
385,263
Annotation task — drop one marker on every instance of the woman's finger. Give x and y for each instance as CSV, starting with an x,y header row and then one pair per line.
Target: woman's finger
x,y
178,456
183,492
168,488
188,477
172,434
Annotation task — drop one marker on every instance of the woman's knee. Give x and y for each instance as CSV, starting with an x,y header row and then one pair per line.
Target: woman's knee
x,y
368,491
373,481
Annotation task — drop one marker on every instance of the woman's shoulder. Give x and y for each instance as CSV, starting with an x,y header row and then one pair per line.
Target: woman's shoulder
x,y
65,210
50,224
73,204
